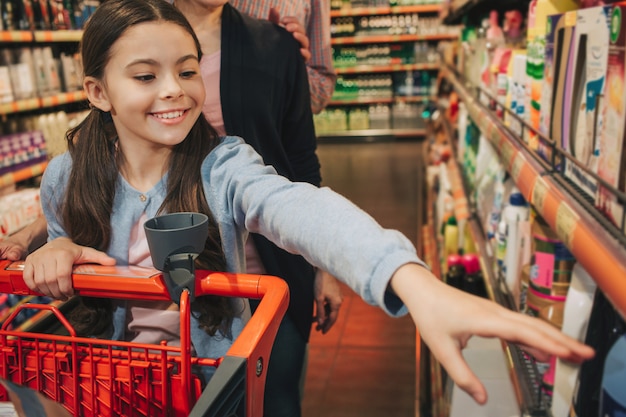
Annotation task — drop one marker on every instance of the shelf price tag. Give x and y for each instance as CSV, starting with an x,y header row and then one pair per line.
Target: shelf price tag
x,y
566,220
540,190
516,167
507,151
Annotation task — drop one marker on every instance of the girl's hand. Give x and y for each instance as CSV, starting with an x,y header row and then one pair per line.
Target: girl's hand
x,y
446,319
48,270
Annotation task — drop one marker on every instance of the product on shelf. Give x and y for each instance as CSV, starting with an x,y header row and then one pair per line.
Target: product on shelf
x,y
538,11
19,209
588,86
610,147
20,150
455,274
473,280
513,215
551,268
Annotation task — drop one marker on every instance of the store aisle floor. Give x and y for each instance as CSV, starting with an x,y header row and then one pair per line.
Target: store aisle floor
x,y
365,366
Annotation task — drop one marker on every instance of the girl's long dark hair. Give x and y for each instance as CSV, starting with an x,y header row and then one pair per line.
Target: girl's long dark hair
x,y
88,204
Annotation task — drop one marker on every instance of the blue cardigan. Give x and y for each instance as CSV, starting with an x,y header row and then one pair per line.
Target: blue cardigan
x,y
245,195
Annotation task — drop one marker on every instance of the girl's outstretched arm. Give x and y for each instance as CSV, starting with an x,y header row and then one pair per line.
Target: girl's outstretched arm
x,y
446,318
48,270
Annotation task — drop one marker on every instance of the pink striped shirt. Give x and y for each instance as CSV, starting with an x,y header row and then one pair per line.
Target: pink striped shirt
x,y
315,17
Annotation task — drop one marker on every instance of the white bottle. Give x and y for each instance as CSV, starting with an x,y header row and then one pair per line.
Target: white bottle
x,y
515,212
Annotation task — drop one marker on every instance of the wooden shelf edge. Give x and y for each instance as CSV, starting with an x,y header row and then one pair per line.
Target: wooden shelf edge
x,y
373,133
360,69
348,40
382,100
593,247
23,174
367,11
22,36
42,102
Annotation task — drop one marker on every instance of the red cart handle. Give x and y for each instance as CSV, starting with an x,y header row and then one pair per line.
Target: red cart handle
x,y
129,282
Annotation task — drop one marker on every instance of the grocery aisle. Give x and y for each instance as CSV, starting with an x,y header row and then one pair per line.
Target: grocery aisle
x,y
365,366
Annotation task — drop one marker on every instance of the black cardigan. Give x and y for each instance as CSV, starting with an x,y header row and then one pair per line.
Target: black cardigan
x,y
265,99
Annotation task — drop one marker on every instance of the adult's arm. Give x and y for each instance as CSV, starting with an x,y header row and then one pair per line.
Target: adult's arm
x,y
320,69
20,244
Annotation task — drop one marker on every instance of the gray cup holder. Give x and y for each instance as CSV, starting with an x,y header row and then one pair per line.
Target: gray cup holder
x,y
175,240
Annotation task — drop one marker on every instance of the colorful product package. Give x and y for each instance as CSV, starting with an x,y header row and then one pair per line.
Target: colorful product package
x,y
610,143
560,31
586,81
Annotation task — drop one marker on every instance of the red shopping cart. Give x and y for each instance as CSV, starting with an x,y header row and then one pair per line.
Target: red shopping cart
x,y
96,377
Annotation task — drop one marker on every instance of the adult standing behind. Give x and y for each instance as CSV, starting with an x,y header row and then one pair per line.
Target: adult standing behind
x,y
256,84
314,15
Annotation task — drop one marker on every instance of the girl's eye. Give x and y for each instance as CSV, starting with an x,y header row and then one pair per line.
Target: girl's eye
x,y
188,74
144,78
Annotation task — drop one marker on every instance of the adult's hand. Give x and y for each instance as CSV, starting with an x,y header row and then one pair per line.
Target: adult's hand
x,y
328,300
296,28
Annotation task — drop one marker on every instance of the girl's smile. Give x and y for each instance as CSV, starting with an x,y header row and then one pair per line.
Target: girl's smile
x,y
152,86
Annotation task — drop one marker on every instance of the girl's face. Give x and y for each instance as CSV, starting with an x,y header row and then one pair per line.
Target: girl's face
x,y
152,85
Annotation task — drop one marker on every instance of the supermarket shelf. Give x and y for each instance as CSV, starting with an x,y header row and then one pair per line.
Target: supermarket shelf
x,y
23,174
365,69
369,11
524,374
474,9
349,40
380,100
372,134
361,100
596,244
21,36
42,102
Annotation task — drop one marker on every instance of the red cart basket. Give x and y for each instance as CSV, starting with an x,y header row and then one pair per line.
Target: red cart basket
x,y
97,377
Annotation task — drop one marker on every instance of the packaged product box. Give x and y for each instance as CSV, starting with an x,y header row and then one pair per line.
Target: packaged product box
x,y
610,144
560,35
586,74
538,12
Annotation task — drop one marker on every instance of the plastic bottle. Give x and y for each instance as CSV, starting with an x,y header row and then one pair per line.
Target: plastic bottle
x,y
473,281
456,271
6,90
495,36
515,212
500,243
450,237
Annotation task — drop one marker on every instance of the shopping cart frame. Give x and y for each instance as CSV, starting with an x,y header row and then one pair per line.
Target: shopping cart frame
x,y
242,370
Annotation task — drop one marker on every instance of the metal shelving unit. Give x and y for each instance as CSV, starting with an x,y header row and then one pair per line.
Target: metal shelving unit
x,y
525,378
367,11
41,36
37,103
596,243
